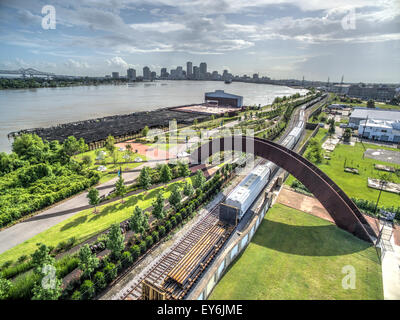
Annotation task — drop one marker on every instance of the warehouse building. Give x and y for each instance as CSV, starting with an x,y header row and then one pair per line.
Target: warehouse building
x,y
381,130
360,114
222,98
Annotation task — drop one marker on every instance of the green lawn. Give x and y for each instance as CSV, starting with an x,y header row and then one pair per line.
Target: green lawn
x,y
352,184
85,224
295,255
105,176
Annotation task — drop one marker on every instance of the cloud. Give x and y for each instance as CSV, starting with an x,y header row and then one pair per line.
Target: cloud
x,y
117,62
76,64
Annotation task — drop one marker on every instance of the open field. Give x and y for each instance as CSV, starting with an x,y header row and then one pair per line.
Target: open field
x,y
379,105
295,255
85,224
355,185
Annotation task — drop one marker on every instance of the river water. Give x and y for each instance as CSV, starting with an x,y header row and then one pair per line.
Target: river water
x,y
44,107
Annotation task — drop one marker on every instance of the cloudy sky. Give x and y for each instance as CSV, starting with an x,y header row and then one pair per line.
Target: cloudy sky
x,y
359,39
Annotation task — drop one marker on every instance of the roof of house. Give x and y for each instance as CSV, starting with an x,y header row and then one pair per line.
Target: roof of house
x,y
222,94
379,114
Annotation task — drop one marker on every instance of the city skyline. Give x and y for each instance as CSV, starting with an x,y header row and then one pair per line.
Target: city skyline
x,y
284,40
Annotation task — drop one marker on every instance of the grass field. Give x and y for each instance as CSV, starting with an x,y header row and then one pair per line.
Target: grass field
x,y
295,255
85,224
355,185
106,176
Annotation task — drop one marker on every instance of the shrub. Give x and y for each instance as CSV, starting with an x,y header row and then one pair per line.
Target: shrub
x,y
126,259
143,247
135,252
168,226
178,217
173,221
99,281
149,241
155,236
183,213
161,231
87,290
76,295
110,272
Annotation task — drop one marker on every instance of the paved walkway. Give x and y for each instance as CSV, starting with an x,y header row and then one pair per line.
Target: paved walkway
x,y
25,230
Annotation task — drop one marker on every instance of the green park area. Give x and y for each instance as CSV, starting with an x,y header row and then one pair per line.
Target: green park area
x,y
86,223
356,185
295,255
108,162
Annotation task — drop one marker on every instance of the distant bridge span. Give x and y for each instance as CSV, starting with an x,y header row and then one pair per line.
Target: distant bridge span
x,y
342,210
30,71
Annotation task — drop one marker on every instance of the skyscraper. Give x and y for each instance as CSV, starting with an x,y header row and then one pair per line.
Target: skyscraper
x,y
189,69
203,69
146,73
196,72
164,73
131,74
115,75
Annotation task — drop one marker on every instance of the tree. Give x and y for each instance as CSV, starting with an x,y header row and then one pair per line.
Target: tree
x,y
88,261
331,126
371,103
347,135
175,198
145,178
120,188
5,287
199,179
110,144
115,241
314,151
145,131
183,169
138,222
188,189
72,146
165,173
158,206
87,160
48,286
41,257
93,196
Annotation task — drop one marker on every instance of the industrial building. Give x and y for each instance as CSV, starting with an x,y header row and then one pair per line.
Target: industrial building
x,y
224,99
360,114
381,130
378,93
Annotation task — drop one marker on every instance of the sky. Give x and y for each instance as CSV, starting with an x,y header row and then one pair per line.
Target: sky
x,y
281,39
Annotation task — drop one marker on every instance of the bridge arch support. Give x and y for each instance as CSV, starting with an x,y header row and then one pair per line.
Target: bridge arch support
x,y
341,208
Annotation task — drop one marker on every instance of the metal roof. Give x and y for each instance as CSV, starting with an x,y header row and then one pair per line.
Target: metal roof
x,y
222,94
379,114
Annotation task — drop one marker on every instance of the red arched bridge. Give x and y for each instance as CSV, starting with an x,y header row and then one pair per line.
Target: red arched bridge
x,y
342,210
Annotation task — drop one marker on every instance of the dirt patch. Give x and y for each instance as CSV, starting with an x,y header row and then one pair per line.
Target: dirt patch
x,y
311,205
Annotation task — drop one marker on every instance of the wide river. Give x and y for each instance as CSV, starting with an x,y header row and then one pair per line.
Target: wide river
x,y
44,107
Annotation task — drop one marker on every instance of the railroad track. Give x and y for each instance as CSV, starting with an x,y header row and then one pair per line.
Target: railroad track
x,y
171,257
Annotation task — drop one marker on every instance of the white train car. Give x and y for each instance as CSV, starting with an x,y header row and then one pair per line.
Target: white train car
x,y
243,196
247,191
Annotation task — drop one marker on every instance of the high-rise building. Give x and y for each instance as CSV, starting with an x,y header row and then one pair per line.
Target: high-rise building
x,y
153,75
179,72
203,69
189,69
164,73
131,74
196,73
146,73
115,75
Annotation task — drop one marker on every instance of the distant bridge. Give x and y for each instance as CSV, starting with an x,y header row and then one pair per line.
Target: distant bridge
x,y
29,71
